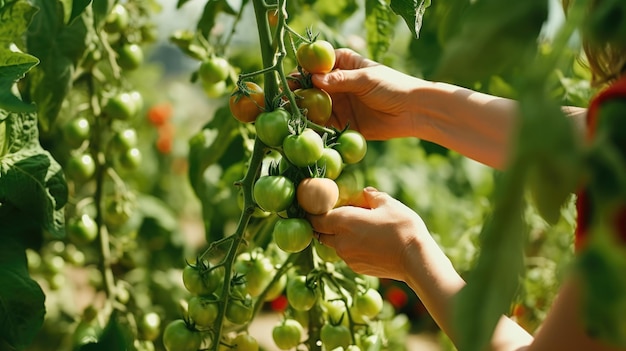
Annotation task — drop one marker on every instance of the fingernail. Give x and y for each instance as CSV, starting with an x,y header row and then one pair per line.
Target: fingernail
x,y
370,189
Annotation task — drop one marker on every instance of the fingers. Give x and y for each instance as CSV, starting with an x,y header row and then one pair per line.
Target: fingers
x,y
349,59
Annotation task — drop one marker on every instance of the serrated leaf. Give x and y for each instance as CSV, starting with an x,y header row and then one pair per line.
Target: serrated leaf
x,y
22,307
412,11
495,35
16,16
379,22
31,181
13,66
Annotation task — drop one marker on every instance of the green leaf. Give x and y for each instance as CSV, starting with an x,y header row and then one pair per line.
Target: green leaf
x,y
31,181
495,35
67,9
492,284
379,23
114,337
51,80
78,7
13,66
209,15
412,11
22,307
16,17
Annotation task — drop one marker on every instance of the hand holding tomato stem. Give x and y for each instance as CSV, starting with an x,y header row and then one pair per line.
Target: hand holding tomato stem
x,y
374,240
373,98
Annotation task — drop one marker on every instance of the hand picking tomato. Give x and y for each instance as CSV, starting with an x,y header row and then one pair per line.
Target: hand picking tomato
x,y
316,102
246,106
317,195
316,57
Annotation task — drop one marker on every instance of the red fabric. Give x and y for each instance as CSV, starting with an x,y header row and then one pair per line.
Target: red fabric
x,y
583,203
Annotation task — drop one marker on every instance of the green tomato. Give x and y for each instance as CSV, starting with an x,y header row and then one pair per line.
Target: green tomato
x,y
287,334
273,127
299,295
316,57
274,193
125,139
82,230
368,303
257,270
239,311
149,326
303,149
130,56
331,162
117,20
317,104
131,159
122,106
76,131
245,342
214,90
80,168
334,336
351,146
293,234
203,310
214,70
177,336
326,253
200,283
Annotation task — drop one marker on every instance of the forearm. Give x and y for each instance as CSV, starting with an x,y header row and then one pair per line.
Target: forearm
x,y
477,125
433,278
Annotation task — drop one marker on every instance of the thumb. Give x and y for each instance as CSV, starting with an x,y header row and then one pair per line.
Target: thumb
x,y
374,198
340,81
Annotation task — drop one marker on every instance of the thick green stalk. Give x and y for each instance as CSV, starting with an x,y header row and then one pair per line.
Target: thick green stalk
x,y
267,49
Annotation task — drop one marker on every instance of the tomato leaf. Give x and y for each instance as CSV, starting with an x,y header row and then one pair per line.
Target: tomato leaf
x,y
412,11
211,10
495,35
51,80
379,22
16,16
493,282
31,181
22,307
13,66
78,7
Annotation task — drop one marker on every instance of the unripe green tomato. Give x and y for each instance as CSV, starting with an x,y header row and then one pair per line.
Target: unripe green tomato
x,y
351,146
138,99
287,334
130,56
213,70
82,230
150,326
332,163
117,20
303,149
368,303
177,336
273,127
80,167
131,159
125,139
76,131
122,106
214,90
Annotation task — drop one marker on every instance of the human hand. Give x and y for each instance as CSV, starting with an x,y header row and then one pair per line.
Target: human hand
x,y
374,99
377,240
